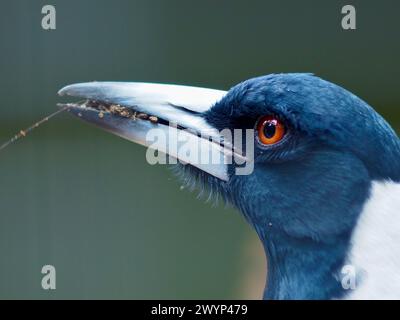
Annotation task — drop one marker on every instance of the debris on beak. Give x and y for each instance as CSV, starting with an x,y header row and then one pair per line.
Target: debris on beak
x,y
117,110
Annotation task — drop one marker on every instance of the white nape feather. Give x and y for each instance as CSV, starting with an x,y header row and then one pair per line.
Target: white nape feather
x,y
375,250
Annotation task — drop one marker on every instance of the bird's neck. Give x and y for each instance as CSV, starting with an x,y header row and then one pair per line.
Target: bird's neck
x,y
303,268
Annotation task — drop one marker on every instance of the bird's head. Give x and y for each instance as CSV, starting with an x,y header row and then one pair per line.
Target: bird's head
x,y
316,148
325,146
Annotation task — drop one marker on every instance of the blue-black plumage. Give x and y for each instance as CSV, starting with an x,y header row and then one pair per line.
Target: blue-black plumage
x,y
307,193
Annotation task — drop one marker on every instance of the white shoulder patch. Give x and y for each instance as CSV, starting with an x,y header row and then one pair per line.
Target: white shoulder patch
x,y
375,250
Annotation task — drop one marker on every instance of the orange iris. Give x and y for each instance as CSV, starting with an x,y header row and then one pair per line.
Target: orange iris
x,y
270,130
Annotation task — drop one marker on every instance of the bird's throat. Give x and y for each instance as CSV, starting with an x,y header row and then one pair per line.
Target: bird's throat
x,y
304,269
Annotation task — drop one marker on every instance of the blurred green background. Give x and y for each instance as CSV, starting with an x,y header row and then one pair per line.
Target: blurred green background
x,y
87,202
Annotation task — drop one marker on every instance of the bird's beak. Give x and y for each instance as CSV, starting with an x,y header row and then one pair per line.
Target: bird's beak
x,y
132,110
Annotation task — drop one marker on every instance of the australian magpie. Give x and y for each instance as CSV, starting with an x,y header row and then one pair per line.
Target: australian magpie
x,y
323,194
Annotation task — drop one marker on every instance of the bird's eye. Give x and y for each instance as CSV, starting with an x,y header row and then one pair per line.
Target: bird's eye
x,y
270,130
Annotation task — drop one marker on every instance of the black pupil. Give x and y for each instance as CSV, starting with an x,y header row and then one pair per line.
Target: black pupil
x,y
269,129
